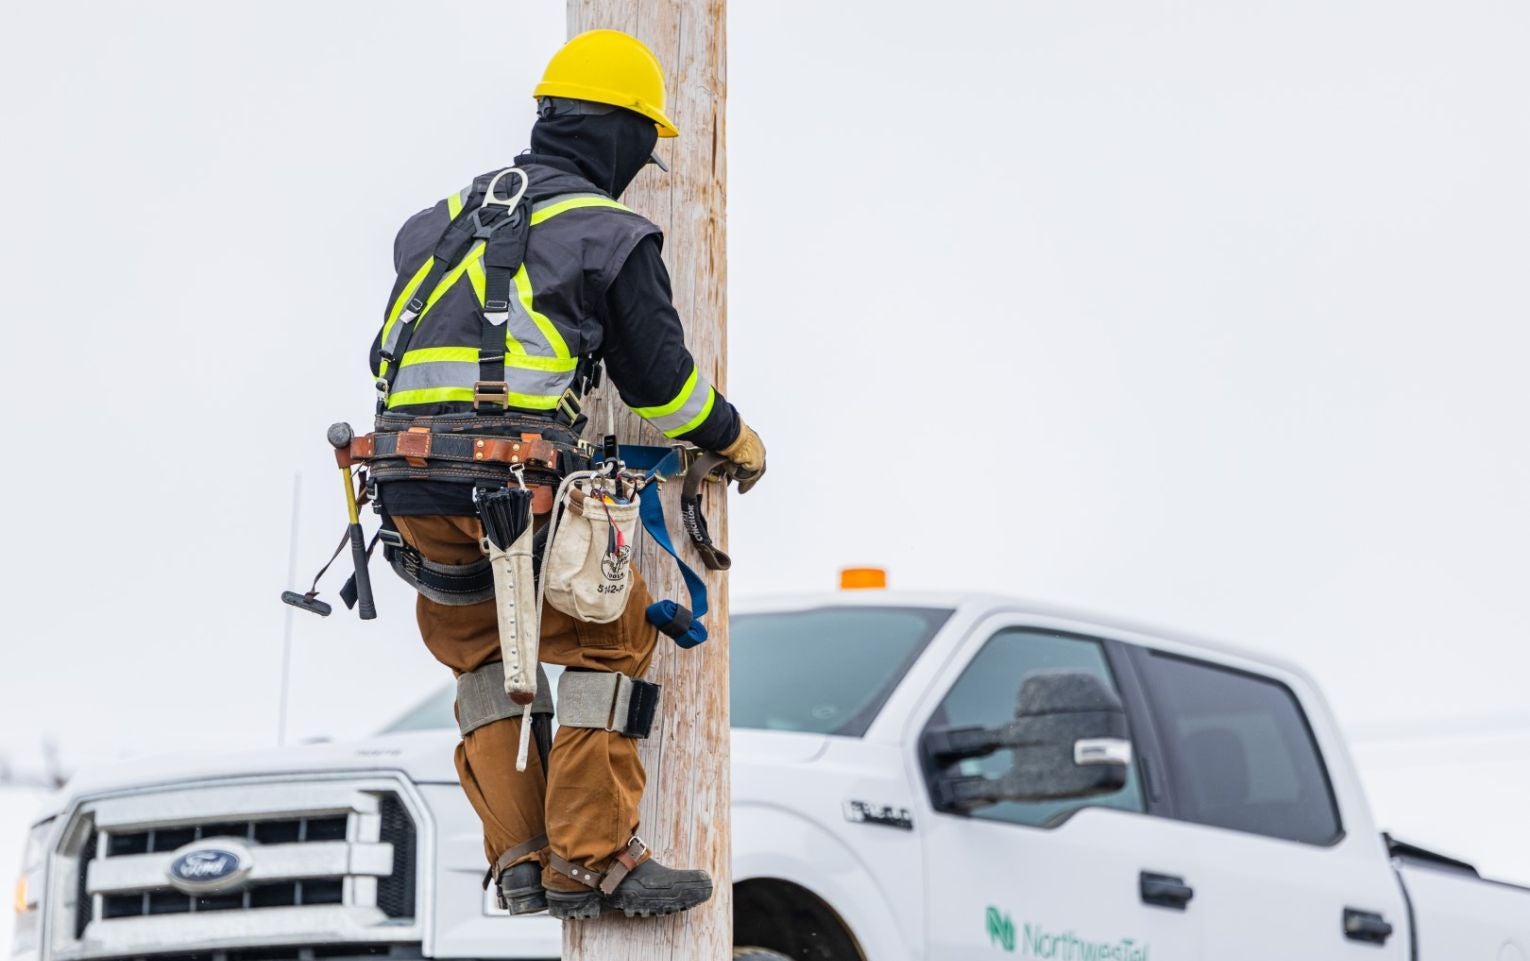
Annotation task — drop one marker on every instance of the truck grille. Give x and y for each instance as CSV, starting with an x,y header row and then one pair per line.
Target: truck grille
x,y
279,895
320,952
321,861
276,831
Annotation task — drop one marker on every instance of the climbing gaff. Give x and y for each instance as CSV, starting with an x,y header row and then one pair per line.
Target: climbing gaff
x,y
508,538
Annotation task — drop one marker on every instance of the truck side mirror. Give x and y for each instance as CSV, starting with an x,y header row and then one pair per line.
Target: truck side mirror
x,y
1068,739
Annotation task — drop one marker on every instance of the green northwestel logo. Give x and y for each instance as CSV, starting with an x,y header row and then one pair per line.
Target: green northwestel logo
x,y
1037,942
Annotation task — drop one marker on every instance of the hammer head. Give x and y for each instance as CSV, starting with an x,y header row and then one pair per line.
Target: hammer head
x,y
340,435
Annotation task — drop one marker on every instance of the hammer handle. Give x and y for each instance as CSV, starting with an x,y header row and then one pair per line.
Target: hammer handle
x,y
364,605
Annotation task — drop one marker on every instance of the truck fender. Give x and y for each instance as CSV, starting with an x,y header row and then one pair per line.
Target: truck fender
x,y
774,843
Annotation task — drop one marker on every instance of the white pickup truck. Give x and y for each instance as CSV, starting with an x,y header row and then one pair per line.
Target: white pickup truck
x,y
888,804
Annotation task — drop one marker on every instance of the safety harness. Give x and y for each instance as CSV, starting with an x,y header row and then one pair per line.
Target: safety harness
x,y
487,236
503,226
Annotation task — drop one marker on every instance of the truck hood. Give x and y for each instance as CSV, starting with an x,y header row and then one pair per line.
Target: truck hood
x,y
425,757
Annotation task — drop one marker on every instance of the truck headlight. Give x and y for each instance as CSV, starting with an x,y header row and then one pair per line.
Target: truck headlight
x,y
31,865
29,887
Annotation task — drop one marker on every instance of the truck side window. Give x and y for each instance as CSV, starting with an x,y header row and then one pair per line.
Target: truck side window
x,y
1241,755
986,694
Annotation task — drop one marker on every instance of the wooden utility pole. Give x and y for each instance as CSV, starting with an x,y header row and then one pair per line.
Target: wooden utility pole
x,y
686,814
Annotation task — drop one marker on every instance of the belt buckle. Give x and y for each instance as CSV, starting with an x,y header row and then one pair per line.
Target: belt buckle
x,y
413,445
490,392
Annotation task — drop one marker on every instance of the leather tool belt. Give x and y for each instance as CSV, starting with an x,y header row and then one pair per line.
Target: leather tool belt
x,y
470,449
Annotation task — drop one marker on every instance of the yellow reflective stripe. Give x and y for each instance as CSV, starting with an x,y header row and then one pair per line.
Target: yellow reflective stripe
x,y
549,330
452,276
454,205
430,355
403,298
700,418
574,204
649,413
439,395
476,278
479,280
532,362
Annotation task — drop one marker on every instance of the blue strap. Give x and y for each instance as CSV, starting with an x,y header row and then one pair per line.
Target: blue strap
x,y
682,625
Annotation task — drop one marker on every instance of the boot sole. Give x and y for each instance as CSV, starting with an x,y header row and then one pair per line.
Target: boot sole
x,y
573,906
585,906
525,902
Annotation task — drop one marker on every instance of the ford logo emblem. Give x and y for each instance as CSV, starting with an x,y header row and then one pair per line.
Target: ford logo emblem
x,y
207,867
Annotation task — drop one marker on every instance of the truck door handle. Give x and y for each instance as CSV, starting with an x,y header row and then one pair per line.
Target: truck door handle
x,y
1366,926
1164,890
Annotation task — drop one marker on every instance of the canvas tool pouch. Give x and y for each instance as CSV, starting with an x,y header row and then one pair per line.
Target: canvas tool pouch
x,y
585,578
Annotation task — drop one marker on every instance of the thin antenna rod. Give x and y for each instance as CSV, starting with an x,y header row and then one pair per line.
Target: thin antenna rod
x,y
292,559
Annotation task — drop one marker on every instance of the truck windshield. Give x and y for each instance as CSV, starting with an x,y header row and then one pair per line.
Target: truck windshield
x,y
825,670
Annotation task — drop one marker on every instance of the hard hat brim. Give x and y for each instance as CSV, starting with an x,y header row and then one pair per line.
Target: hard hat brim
x,y
574,91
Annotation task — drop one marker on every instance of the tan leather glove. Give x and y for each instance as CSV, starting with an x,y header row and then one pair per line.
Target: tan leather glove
x,y
747,453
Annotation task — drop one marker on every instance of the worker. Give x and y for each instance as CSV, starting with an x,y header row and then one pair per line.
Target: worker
x,y
503,365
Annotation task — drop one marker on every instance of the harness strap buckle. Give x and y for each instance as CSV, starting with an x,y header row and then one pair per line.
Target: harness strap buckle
x,y
490,393
570,406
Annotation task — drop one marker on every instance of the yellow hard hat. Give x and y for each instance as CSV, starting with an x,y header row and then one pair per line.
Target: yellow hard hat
x,y
608,66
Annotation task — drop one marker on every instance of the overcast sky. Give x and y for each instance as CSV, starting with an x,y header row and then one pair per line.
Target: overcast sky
x,y
1215,311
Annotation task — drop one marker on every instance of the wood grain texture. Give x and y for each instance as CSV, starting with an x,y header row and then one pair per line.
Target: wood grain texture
x,y
685,811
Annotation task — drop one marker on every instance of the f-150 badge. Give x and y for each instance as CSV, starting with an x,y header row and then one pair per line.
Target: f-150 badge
x,y
864,812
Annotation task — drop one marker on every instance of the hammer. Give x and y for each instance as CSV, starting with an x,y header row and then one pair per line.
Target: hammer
x,y
340,438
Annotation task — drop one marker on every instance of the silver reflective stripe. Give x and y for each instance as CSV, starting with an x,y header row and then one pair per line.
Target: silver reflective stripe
x,y
394,331
452,373
525,330
439,373
481,698
673,418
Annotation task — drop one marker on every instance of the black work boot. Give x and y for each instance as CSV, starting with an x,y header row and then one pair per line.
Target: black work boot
x,y
520,889
650,890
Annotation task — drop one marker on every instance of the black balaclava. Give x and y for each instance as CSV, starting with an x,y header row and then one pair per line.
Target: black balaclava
x,y
609,149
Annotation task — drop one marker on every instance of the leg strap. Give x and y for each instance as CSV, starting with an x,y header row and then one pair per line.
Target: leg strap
x,y
607,701
504,861
481,698
626,860
519,851
456,585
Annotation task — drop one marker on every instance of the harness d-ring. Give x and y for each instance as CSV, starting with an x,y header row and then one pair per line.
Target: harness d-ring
x,y
488,195
483,230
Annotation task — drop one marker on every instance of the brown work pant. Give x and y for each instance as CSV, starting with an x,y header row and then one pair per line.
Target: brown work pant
x,y
587,800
